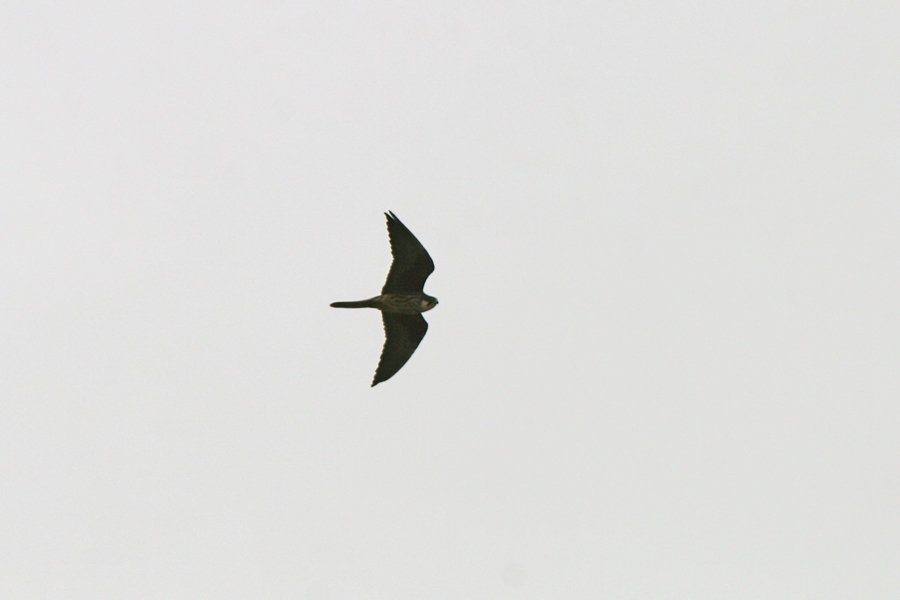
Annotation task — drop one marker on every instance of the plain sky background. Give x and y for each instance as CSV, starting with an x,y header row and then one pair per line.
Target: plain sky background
x,y
665,362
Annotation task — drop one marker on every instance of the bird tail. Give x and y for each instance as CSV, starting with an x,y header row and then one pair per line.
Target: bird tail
x,y
359,304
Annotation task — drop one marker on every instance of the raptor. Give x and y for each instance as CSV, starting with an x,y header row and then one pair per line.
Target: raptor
x,y
402,300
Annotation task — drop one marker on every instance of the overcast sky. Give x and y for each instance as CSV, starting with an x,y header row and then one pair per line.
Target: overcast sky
x,y
665,361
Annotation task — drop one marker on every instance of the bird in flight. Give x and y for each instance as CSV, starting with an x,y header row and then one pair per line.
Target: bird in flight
x,y
402,300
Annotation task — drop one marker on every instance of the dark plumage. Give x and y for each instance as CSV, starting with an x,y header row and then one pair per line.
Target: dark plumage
x,y
412,265
402,334
402,300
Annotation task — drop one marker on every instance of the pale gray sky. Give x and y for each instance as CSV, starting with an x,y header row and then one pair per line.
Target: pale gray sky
x,y
665,362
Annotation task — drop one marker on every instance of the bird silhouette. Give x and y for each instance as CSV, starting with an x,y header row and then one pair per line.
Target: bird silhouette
x,y
402,300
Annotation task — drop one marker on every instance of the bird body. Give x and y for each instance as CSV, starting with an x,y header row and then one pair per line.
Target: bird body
x,y
402,300
394,303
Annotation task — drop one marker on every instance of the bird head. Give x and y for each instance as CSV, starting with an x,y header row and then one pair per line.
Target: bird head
x,y
429,302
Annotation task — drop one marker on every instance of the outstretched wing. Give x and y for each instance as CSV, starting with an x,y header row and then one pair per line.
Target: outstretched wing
x,y
402,333
411,266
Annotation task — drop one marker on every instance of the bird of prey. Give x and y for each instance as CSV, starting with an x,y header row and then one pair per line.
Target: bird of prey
x,y
402,300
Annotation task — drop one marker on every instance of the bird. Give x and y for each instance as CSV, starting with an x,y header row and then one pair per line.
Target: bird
x,y
402,300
